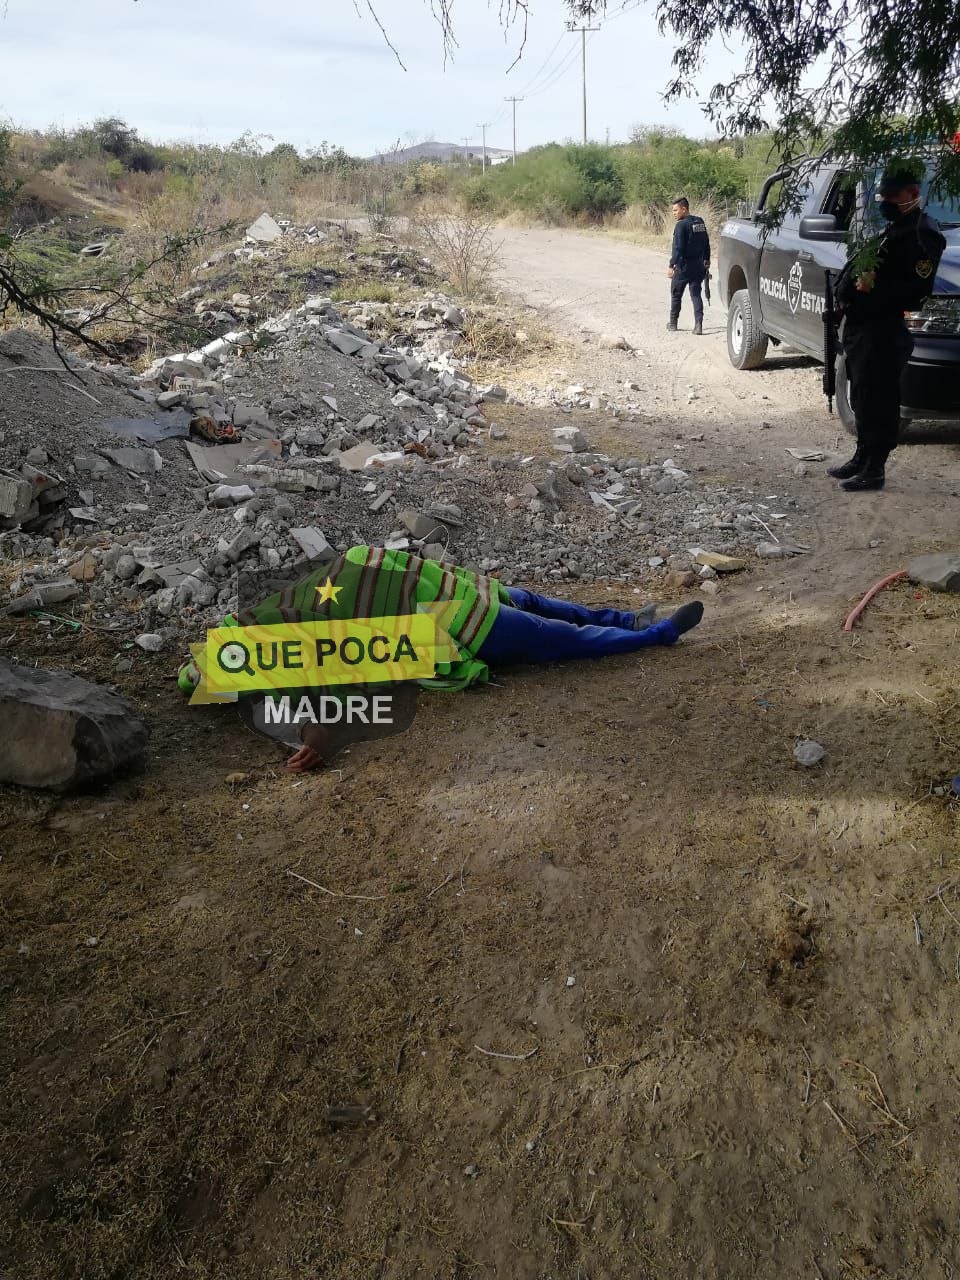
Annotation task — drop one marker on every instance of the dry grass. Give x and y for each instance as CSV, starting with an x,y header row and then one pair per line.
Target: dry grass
x,y
652,223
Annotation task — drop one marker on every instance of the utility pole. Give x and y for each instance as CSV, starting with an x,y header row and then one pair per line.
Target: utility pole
x,y
484,127
583,54
466,153
514,101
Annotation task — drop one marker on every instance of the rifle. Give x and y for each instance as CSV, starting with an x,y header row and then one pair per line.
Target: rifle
x,y
831,319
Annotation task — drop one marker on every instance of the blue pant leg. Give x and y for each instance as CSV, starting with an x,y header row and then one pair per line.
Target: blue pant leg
x,y
517,636
567,611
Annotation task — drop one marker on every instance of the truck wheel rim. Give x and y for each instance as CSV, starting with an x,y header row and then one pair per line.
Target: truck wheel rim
x,y
737,329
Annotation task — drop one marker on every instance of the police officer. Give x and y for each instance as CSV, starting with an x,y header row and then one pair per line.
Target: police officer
x,y
876,342
689,262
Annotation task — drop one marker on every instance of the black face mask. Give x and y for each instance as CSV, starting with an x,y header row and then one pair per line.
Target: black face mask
x,y
889,210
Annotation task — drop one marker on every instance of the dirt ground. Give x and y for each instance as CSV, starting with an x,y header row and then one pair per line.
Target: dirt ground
x,y
725,986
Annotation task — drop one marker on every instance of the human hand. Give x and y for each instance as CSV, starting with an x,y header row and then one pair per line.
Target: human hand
x,y
671,272
316,744
865,281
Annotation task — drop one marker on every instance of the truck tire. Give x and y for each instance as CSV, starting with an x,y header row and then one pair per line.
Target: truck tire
x,y
844,408
746,341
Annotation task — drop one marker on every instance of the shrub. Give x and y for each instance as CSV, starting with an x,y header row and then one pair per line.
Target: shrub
x,y
460,246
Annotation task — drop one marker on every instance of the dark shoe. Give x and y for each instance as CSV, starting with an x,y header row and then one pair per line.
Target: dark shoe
x,y
871,477
698,330
672,326
848,469
687,616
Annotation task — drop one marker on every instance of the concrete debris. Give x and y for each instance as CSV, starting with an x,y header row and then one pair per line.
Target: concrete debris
x,y
722,563
780,550
150,642
313,543
265,230
142,462
938,572
62,732
328,397
45,593
570,440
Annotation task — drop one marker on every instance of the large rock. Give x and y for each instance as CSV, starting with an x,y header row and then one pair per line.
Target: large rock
x,y
265,230
61,731
940,572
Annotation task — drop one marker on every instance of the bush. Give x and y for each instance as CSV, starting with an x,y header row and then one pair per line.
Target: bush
x,y
459,246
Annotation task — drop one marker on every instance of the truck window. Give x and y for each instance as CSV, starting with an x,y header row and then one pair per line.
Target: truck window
x,y
785,203
841,200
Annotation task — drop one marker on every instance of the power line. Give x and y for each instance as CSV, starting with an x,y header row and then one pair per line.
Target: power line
x,y
533,80
556,75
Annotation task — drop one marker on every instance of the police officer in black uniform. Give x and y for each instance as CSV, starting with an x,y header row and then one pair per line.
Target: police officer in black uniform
x,y
689,262
876,342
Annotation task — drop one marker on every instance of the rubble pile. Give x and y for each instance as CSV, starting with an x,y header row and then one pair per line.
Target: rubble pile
x,y
302,431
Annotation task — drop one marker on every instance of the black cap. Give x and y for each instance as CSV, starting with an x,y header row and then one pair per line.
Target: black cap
x,y
901,173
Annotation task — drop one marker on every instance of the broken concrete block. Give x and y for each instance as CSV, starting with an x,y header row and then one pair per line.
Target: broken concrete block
x,y
16,497
312,543
403,400
570,440
381,500
142,462
355,459
939,572
722,564
61,731
265,230
421,527
43,594
149,642
245,415
230,495
169,399
244,540
344,341
367,423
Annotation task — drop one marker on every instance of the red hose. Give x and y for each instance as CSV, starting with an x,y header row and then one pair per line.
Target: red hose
x,y
877,586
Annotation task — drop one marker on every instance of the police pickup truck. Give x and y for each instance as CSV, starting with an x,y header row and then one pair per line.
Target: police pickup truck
x,y
772,281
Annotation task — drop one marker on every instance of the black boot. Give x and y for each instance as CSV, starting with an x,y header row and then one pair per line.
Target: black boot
x,y
851,468
672,325
698,329
870,476
687,616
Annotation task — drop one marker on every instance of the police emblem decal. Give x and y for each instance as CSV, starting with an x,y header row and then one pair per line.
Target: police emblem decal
x,y
924,268
794,282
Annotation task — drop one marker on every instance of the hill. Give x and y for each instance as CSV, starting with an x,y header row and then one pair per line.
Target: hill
x,y
444,152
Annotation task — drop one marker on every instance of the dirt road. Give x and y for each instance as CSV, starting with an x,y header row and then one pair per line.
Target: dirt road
x,y
591,286
719,990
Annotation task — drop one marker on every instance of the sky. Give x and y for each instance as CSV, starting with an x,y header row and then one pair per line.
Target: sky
x,y
312,71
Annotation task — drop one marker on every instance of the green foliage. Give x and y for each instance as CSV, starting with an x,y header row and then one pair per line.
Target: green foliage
x,y
560,183
7,185
859,80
